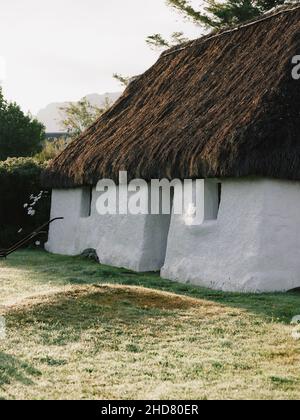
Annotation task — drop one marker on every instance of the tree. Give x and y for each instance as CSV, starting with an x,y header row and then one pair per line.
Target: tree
x,y
219,14
215,15
124,80
20,134
157,41
80,115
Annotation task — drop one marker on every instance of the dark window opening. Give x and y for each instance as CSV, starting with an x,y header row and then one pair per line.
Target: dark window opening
x,y
219,194
86,202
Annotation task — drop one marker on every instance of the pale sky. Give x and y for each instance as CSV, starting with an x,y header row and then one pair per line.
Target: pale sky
x,y
62,50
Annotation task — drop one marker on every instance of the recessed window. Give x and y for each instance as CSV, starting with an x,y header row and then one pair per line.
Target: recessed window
x,y
219,196
212,199
207,195
86,201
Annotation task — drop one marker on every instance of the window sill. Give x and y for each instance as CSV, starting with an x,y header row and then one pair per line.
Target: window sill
x,y
206,227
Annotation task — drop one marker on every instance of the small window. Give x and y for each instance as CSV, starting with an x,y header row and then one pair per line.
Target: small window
x,y
212,199
207,199
219,195
86,202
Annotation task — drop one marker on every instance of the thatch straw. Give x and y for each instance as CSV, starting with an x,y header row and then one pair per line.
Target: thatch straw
x,y
222,106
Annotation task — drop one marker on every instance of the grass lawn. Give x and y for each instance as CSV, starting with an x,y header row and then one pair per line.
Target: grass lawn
x,y
76,329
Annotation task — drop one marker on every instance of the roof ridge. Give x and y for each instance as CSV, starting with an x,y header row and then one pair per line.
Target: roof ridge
x,y
202,40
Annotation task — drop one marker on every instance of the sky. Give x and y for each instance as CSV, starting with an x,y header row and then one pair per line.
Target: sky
x,y
62,50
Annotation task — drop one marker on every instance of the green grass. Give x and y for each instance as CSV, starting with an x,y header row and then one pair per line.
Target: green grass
x,y
76,329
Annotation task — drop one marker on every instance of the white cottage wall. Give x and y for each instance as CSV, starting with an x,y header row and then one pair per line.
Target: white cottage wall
x,y
134,242
253,246
63,234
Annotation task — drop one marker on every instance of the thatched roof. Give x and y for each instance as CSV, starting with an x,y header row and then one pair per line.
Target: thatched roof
x,y
224,105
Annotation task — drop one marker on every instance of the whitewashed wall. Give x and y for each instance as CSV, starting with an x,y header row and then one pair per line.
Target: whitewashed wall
x,y
253,246
135,242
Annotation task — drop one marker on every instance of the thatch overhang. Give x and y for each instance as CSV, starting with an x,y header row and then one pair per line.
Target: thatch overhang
x,y
224,105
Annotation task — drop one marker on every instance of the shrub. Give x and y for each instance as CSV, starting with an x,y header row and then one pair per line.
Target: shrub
x,y
19,185
52,148
20,134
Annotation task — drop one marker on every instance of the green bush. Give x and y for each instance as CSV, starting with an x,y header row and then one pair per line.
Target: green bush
x,y
19,185
20,134
52,148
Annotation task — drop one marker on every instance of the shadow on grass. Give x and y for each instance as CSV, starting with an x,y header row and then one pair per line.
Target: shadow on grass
x,y
13,369
44,267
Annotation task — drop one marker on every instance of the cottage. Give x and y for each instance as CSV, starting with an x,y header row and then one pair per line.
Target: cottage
x,y
224,109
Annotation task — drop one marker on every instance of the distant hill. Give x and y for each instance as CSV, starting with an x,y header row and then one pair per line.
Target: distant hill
x,y
51,115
